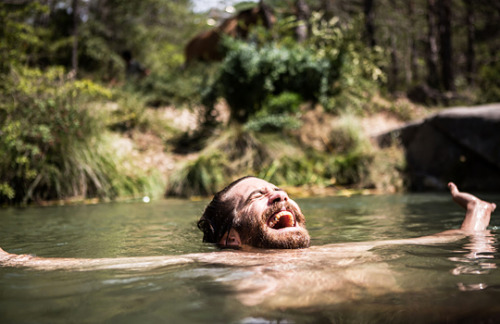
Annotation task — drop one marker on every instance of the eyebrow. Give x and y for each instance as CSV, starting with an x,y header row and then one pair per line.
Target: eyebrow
x,y
260,191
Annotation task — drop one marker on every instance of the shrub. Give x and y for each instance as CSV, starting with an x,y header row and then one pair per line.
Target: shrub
x,y
236,153
202,177
333,68
52,144
249,76
176,86
279,112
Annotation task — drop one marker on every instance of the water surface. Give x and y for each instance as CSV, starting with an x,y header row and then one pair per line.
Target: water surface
x,y
453,282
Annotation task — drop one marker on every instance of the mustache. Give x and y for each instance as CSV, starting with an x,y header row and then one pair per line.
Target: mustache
x,y
280,205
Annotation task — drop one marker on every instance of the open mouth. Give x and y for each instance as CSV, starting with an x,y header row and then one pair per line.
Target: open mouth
x,y
281,219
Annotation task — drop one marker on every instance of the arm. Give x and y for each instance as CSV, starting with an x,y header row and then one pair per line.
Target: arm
x,y
132,263
476,220
478,212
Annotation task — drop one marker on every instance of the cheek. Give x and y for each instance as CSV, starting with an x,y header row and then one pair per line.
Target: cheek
x,y
250,217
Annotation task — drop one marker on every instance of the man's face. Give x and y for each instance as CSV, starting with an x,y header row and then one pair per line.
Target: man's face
x,y
266,217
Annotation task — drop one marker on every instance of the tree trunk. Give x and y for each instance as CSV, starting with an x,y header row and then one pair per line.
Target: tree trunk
x,y
433,79
470,54
328,8
412,74
74,54
394,74
446,48
302,13
394,68
369,24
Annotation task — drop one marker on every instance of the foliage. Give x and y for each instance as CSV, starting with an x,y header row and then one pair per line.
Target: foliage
x,y
280,112
140,27
489,82
333,68
277,159
55,140
357,67
19,40
126,111
250,75
386,172
236,153
63,152
273,122
177,87
201,177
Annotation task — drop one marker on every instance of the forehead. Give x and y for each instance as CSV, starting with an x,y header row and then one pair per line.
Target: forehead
x,y
247,186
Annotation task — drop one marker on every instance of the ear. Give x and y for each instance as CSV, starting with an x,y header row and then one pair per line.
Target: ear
x,y
230,240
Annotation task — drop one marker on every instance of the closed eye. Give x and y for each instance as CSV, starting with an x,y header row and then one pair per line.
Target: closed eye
x,y
256,194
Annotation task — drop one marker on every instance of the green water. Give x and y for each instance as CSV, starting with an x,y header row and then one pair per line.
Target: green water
x,y
451,282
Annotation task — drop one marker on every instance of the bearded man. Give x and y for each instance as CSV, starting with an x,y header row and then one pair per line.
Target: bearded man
x,y
251,212
254,212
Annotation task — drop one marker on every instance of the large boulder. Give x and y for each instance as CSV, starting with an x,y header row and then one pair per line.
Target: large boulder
x,y
459,144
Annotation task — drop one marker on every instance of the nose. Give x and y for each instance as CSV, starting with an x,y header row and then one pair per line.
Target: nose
x,y
278,196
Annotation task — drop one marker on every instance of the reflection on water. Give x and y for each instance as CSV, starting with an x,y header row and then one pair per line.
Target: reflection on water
x,y
453,282
478,259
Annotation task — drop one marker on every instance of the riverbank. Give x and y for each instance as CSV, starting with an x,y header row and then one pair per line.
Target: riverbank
x,y
152,152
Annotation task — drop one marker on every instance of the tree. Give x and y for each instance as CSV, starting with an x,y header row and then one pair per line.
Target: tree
x,y
412,73
369,22
431,58
471,39
74,53
445,44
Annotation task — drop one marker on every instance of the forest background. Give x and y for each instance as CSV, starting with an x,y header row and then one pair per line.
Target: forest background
x,y
290,109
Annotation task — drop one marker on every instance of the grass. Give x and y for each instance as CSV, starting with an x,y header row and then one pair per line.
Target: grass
x,y
352,161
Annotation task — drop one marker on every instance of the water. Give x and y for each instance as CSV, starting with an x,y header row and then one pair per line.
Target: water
x,y
452,282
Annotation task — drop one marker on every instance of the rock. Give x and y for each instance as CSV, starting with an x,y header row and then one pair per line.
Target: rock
x,y
459,144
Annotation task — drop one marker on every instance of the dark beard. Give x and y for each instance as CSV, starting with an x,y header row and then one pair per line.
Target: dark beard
x,y
262,236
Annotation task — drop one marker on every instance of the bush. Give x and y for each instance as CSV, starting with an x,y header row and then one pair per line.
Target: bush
x,y
235,153
333,68
52,144
176,87
201,177
249,76
278,113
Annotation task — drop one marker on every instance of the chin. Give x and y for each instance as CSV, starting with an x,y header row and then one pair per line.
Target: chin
x,y
285,238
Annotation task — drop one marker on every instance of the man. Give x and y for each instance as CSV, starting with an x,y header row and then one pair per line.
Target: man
x,y
253,213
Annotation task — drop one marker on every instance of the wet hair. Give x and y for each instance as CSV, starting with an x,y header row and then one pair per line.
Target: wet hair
x,y
218,217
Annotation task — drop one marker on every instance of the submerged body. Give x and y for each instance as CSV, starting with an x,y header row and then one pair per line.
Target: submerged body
x,y
284,277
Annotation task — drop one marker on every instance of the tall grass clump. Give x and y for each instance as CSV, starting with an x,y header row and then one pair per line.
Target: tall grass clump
x,y
346,161
52,143
236,152
201,177
352,151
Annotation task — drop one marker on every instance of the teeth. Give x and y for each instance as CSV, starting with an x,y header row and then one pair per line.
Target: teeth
x,y
275,219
